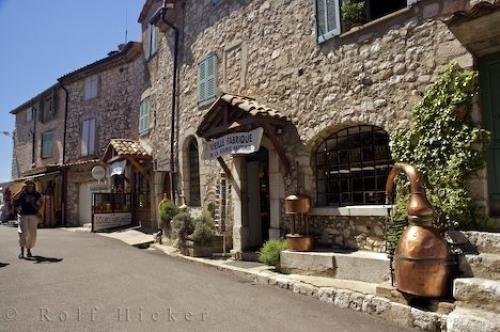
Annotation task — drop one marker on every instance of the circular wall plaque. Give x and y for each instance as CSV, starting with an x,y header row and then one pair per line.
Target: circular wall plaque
x,y
98,172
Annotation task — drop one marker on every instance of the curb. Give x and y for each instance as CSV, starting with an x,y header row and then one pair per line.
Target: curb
x,y
399,314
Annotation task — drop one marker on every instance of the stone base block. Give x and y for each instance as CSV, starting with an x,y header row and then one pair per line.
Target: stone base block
x,y
467,320
477,293
360,265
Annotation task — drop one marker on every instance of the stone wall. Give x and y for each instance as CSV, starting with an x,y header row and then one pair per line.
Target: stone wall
x,y
268,50
22,158
115,109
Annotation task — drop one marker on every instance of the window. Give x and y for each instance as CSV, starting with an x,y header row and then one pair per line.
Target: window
x,y
88,138
336,16
91,85
194,174
153,40
207,80
352,167
48,109
144,123
47,144
29,114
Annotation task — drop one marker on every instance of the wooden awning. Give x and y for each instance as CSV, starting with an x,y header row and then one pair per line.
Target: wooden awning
x,y
478,27
234,113
125,149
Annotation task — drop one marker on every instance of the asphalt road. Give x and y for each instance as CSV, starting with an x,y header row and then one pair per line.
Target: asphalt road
x,y
81,281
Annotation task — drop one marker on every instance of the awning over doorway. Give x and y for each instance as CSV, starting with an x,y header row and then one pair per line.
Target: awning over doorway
x,y
478,27
127,150
234,113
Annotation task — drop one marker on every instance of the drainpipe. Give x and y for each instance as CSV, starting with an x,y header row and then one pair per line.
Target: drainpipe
x,y
160,14
64,177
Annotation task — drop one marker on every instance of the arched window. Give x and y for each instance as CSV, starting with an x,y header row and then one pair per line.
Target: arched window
x,y
352,167
194,174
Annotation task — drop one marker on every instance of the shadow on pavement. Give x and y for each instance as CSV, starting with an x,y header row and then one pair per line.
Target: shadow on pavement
x,y
3,264
42,259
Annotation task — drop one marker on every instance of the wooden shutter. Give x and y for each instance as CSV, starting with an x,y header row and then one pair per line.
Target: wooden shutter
x,y
207,86
211,84
202,76
144,116
147,41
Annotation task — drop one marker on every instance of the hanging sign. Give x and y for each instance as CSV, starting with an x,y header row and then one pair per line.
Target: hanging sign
x,y
237,143
98,172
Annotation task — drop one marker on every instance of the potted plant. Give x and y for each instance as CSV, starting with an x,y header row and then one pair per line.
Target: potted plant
x,y
203,240
166,212
269,254
181,227
353,14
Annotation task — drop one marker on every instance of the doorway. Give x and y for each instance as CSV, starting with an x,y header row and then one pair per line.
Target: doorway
x,y
258,208
489,74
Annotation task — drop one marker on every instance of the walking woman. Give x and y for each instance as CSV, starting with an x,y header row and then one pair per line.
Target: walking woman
x,y
29,203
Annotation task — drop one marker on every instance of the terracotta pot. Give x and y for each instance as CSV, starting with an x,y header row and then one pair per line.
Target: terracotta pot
x,y
299,242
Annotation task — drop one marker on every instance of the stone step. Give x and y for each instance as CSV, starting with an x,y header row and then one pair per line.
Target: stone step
x,y
478,293
485,242
473,320
486,266
360,265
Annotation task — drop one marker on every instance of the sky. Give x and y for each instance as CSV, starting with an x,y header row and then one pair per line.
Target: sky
x,y
41,40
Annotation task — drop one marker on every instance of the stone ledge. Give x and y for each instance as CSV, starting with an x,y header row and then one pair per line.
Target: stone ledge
x,y
467,320
477,293
485,242
352,211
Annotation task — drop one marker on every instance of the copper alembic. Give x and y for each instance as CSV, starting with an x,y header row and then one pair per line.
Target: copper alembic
x,y
298,206
422,257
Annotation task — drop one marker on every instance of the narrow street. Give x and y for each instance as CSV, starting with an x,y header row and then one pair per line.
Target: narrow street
x,y
81,281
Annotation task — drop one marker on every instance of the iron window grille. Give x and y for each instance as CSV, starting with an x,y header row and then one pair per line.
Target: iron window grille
x,y
352,166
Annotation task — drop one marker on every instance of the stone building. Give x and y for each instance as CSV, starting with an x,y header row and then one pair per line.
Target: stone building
x,y
103,104
327,94
38,148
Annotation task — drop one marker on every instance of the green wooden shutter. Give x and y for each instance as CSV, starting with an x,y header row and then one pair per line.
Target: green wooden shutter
x,y
211,84
202,81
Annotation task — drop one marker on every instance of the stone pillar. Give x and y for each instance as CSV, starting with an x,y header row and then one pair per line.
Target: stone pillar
x,y
275,193
240,225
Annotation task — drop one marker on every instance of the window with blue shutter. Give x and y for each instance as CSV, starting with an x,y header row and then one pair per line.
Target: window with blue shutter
x,y
144,111
47,144
207,79
153,40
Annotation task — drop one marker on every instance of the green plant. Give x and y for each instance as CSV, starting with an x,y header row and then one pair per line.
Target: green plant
x,y
270,252
353,12
166,211
204,228
182,226
446,148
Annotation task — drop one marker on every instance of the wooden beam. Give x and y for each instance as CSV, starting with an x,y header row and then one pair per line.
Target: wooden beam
x,y
225,168
138,166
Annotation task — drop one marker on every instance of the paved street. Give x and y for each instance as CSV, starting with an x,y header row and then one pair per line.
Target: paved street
x,y
82,281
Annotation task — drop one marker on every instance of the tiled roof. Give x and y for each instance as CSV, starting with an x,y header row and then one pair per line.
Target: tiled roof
x,y
251,106
479,9
82,162
126,147
122,52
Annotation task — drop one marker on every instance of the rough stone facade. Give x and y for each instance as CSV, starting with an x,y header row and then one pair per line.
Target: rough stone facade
x,y
24,158
121,80
268,50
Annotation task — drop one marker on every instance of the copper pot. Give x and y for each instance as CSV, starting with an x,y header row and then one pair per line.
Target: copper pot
x,y
297,204
422,259
422,262
299,242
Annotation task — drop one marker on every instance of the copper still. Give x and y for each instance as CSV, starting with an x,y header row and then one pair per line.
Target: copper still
x,y
422,258
298,206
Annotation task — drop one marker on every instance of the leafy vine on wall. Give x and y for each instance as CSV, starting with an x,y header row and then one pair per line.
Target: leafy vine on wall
x,y
447,146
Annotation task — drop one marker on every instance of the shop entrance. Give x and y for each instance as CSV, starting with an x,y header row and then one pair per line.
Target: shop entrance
x,y
258,208
489,73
